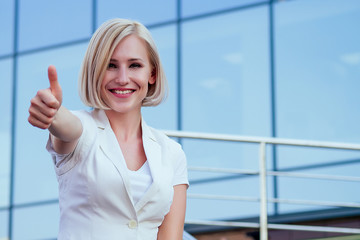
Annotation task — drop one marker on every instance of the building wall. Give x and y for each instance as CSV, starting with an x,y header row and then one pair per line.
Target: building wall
x,y
286,69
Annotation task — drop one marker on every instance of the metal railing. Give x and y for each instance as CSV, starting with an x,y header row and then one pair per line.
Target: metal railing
x,y
263,224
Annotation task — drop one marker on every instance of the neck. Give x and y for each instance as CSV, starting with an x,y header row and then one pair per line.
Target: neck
x,y
125,126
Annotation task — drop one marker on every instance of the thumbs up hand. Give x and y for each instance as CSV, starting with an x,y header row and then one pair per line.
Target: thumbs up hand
x,y
54,84
45,105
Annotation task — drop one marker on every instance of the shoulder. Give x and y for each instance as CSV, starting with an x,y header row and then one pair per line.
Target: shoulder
x,y
83,115
89,123
89,118
172,151
172,154
169,146
164,140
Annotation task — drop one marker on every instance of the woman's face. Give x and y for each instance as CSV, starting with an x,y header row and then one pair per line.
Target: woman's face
x,y
125,83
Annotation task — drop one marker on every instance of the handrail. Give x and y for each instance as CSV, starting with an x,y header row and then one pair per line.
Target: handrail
x,y
276,226
263,173
275,200
275,173
267,140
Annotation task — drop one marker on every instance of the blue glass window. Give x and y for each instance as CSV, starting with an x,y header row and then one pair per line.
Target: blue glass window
x,y
225,79
317,82
164,116
39,222
4,219
43,23
5,129
147,12
40,183
225,89
224,155
6,27
195,7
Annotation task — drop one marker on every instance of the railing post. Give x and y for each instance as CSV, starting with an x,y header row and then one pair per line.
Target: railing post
x,y
263,192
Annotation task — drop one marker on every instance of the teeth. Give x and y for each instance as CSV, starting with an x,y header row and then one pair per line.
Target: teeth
x,y
122,92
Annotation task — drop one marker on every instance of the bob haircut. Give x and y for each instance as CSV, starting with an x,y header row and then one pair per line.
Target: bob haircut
x,y
98,55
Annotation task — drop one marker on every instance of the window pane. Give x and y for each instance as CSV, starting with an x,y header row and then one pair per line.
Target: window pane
x,y
226,74
320,190
194,7
147,12
317,161
318,70
224,155
4,217
5,129
6,27
40,222
40,182
43,23
164,116
317,82
225,87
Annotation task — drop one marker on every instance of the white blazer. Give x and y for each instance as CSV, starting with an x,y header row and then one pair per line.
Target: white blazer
x,y
94,189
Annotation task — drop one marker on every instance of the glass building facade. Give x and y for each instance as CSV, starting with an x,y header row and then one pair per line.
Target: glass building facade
x,y
288,69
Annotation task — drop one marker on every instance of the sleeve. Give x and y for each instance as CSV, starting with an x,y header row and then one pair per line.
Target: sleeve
x,y
180,169
65,162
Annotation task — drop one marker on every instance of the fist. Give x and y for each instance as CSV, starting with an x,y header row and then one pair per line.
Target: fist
x,y
46,103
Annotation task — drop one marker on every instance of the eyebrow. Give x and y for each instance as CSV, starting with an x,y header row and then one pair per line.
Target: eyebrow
x,y
129,60
135,59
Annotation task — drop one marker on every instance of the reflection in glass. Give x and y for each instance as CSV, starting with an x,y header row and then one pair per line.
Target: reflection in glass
x,y
318,69
320,190
317,82
224,155
190,7
6,27
147,12
40,222
5,129
4,220
43,23
207,209
40,183
225,87
164,116
232,154
226,74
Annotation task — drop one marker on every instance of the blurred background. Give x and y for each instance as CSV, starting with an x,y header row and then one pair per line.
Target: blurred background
x,y
284,69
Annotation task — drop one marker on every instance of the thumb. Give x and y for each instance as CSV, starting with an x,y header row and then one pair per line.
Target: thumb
x,y
54,84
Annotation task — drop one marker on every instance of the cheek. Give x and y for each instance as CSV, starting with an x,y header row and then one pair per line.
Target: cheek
x,y
105,80
140,79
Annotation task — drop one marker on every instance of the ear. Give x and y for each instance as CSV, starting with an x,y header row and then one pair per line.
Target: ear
x,y
152,79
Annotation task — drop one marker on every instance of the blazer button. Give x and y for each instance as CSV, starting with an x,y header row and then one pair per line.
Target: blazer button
x,y
132,224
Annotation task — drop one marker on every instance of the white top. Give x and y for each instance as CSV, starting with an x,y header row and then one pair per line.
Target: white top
x,y
140,181
95,188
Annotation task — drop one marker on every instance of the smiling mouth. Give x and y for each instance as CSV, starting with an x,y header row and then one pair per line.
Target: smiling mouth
x,y
116,91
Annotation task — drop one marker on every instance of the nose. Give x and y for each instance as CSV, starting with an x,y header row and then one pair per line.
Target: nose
x,y
122,76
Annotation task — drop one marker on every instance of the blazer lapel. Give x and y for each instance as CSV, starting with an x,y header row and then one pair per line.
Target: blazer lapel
x,y
153,155
110,147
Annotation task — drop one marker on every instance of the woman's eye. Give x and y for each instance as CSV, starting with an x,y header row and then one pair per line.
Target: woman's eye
x,y
135,65
111,65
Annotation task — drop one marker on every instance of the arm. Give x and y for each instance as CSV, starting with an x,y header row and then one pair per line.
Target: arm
x,y
46,112
65,131
173,225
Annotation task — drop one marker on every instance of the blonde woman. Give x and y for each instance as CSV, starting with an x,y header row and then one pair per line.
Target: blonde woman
x,y
118,177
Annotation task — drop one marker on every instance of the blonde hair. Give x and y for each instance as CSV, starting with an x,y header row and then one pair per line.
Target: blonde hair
x,y
98,54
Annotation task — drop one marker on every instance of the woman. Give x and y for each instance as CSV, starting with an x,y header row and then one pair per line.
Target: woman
x,y
118,178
